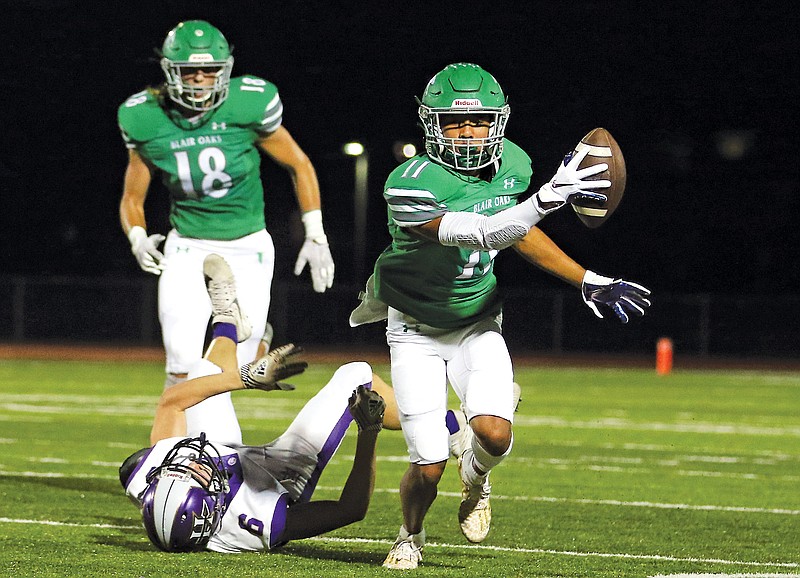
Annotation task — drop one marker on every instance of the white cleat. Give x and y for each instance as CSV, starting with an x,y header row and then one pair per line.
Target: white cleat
x,y
221,287
475,511
406,553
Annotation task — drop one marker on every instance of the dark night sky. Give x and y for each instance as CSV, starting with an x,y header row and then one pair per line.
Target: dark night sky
x,y
670,80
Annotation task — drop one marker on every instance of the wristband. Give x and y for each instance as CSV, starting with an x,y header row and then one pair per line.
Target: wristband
x,y
312,221
136,234
593,278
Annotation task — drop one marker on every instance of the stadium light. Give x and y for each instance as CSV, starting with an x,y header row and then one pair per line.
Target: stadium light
x,y
360,197
353,149
403,150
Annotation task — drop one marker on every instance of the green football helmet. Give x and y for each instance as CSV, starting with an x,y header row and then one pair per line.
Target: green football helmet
x,y
192,45
463,89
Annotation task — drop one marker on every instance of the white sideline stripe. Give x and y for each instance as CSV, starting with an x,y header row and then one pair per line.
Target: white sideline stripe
x,y
617,423
66,524
658,557
586,501
56,475
143,405
639,504
759,575
38,413
638,466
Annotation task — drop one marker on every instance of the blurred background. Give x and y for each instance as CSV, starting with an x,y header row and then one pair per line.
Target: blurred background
x,y
702,97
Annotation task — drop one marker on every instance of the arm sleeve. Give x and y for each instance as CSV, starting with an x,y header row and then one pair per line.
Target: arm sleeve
x,y
486,233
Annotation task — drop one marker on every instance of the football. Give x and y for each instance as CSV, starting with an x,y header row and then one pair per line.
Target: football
x,y
602,149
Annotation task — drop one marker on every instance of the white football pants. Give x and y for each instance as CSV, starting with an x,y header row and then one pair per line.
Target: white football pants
x,y
473,359
184,308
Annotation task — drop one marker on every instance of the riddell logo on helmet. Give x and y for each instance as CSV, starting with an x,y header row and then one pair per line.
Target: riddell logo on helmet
x,y
466,102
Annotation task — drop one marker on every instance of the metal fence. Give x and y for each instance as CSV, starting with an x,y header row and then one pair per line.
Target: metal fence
x,y
123,312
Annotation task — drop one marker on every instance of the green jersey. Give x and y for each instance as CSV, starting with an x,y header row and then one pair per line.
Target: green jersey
x,y
211,168
443,286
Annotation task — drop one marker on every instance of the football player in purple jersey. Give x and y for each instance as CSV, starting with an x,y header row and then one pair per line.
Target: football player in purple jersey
x,y
200,488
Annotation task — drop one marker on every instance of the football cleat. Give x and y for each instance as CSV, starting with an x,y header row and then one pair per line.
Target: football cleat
x,y
475,511
280,363
221,287
406,553
517,396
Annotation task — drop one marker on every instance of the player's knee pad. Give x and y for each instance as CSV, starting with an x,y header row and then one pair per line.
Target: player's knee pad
x,y
427,438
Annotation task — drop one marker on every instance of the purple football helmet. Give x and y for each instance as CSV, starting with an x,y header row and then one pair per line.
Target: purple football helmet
x,y
184,501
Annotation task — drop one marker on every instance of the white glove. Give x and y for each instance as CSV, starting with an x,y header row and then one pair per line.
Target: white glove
x,y
316,252
145,249
569,183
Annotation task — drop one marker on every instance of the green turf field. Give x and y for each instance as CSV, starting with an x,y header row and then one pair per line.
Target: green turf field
x,y
613,473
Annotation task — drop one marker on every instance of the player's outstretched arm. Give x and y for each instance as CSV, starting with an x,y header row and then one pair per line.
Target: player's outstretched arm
x,y
624,298
266,373
317,517
537,248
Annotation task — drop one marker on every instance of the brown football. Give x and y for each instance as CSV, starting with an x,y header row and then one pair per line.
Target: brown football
x,y
602,149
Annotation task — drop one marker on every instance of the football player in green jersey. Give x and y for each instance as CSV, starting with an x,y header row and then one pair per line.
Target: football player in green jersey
x,y
204,132
450,211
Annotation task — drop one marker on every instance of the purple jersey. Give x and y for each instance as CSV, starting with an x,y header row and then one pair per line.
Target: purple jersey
x,y
256,508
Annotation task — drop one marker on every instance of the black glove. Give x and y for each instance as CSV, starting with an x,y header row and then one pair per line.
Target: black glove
x,y
367,408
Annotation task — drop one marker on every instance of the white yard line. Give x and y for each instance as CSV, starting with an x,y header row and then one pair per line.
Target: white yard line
x,y
623,556
618,503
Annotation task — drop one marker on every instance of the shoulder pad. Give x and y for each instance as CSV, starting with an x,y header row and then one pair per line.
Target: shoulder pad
x,y
515,160
139,115
416,172
251,101
515,150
